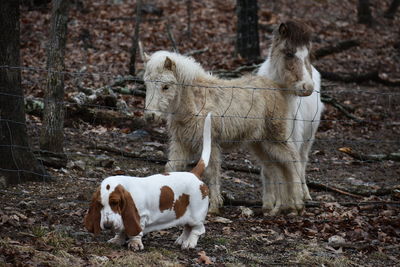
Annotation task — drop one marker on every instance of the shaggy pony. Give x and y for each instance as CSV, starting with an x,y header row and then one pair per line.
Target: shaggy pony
x,y
250,111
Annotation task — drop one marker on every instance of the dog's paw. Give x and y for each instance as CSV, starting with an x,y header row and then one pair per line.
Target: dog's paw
x,y
190,242
180,239
135,245
188,245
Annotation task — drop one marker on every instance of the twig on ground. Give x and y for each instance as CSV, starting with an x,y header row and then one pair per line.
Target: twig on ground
x,y
134,155
321,186
332,101
195,52
370,157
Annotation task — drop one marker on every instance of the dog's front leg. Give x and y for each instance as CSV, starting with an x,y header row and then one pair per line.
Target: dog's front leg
x,y
135,242
178,156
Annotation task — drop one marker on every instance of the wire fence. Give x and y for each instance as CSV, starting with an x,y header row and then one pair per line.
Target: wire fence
x,y
319,167
92,94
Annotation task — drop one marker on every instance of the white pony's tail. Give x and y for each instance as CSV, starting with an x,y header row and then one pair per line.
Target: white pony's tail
x,y
205,154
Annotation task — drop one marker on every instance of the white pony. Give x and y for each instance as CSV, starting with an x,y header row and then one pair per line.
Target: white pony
x,y
290,50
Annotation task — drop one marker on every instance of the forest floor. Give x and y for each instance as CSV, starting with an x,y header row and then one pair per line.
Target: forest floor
x,y
41,224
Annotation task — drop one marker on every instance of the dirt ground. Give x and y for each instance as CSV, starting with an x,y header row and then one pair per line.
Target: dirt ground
x,y
41,224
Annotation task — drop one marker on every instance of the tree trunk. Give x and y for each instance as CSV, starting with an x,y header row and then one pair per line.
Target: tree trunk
x,y
247,40
135,39
17,162
364,12
52,134
189,17
392,9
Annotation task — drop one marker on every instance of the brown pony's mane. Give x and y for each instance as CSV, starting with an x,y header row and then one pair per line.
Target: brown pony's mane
x,y
295,32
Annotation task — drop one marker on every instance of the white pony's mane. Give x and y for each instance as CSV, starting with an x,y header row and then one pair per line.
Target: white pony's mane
x,y
187,68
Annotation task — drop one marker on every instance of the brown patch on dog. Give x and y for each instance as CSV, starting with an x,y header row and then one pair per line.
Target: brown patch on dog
x,y
108,187
166,198
181,205
115,199
92,218
199,169
204,191
121,201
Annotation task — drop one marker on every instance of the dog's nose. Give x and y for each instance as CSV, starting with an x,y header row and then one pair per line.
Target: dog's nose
x,y
107,225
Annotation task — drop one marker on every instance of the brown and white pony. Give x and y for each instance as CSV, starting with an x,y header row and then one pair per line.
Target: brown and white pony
x,y
288,63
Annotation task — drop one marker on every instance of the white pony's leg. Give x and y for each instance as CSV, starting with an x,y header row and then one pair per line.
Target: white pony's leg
x,y
212,177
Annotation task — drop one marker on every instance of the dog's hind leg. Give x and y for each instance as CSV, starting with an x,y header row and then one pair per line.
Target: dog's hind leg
x,y
195,233
184,236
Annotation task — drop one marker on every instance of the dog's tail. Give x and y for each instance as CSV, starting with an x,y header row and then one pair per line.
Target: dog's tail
x,y
205,154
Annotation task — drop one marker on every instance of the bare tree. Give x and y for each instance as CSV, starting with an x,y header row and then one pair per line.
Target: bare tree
x,y
247,40
392,9
135,39
189,8
52,134
17,162
364,12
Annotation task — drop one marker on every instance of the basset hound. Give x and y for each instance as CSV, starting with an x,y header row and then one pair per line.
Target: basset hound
x,y
133,206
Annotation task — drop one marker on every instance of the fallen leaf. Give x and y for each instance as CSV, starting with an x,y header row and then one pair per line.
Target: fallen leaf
x,y
204,258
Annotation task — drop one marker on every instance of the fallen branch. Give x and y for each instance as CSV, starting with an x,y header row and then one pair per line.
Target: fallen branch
x,y
133,155
320,186
195,52
92,115
104,116
370,157
51,159
358,78
337,48
332,101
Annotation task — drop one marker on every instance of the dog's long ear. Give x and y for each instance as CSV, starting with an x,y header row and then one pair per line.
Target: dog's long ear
x,y
129,213
169,64
92,218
